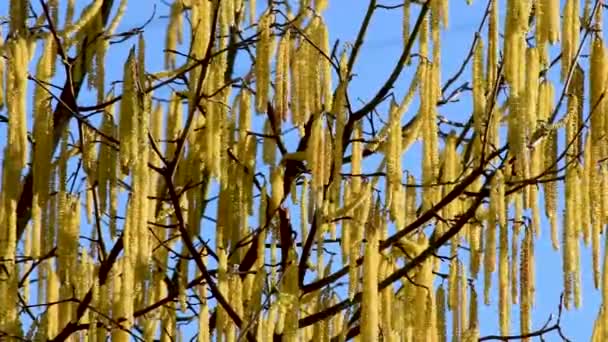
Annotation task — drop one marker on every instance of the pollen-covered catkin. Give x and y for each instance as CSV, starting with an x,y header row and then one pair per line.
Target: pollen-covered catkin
x,y
570,35
262,66
128,122
281,80
370,318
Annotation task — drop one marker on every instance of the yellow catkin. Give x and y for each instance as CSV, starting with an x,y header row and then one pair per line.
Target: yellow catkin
x,y
514,42
441,314
406,22
277,189
43,123
473,308
525,284
269,145
517,224
569,232
87,15
386,297
429,133
393,160
547,151
326,89
598,327
492,61
16,103
449,175
531,103
18,15
550,10
453,297
127,127
596,226
316,158
475,240
174,34
282,77
463,313
503,270
496,216
262,66
479,97
52,296
357,156
570,35
597,86
370,319
2,73
605,288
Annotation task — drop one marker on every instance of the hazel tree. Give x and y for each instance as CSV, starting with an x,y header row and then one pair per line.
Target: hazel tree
x,y
242,193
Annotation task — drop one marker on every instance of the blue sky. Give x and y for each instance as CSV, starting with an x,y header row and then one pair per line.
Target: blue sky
x,y
378,55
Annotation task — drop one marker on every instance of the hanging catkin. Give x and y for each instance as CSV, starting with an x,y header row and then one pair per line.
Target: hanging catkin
x,y
282,77
370,319
262,66
570,35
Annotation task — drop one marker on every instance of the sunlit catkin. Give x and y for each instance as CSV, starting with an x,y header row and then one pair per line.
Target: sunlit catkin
x,y
492,59
281,80
441,313
570,35
16,102
370,319
479,89
262,66
525,284
127,127
597,85
52,296
405,26
316,157
325,67
495,216
174,33
503,270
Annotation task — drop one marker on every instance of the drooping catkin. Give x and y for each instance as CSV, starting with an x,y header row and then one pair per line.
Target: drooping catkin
x,y
128,115
516,24
526,283
16,103
503,269
325,79
429,134
441,313
316,158
528,126
496,216
547,157
406,22
262,66
479,89
2,73
88,14
393,159
492,59
597,85
605,286
463,311
174,34
281,81
570,35
370,318
52,296
277,190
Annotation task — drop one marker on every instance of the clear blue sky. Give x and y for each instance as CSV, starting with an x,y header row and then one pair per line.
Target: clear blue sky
x,y
381,50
